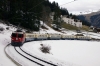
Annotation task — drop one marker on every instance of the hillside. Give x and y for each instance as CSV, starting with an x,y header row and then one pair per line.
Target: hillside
x,y
92,18
88,16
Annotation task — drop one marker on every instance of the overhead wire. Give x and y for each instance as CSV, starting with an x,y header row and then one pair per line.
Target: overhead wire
x,y
36,5
42,12
31,8
60,5
68,3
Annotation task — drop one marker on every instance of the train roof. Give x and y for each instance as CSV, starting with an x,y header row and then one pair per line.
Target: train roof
x,y
18,32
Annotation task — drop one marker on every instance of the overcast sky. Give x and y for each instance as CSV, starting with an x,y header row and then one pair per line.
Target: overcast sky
x,y
79,6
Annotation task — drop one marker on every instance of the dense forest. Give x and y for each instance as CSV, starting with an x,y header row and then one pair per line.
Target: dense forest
x,y
29,13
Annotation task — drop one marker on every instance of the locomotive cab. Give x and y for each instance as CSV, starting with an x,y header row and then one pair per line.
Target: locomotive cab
x,y
17,38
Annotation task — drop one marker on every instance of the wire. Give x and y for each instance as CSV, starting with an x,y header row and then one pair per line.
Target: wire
x,y
30,9
61,5
43,1
67,3
40,3
36,5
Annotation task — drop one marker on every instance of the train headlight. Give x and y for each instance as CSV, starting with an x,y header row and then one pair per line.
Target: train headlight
x,y
20,39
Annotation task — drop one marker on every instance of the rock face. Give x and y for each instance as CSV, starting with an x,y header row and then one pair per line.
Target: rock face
x,y
93,18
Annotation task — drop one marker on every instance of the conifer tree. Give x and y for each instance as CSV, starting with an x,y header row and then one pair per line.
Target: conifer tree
x,y
57,16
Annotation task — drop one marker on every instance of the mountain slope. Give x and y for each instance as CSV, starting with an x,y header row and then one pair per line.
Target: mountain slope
x,y
93,18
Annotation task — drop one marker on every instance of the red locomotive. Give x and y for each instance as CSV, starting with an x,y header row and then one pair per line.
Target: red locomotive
x,y
17,38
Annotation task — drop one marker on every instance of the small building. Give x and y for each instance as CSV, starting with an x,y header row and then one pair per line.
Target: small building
x,y
71,21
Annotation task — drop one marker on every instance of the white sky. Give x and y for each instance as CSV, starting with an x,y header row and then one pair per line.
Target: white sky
x,y
84,6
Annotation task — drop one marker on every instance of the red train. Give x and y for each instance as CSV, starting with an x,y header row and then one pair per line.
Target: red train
x,y
17,38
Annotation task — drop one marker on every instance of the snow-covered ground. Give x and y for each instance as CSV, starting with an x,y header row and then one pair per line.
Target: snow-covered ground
x,y
4,40
64,52
72,53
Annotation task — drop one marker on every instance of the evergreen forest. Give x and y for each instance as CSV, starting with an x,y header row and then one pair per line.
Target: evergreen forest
x,y
29,13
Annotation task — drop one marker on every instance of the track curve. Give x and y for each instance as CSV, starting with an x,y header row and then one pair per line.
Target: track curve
x,y
38,58
32,58
27,57
15,62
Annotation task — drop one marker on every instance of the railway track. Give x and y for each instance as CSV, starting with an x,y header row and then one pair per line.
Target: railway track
x,y
7,54
33,59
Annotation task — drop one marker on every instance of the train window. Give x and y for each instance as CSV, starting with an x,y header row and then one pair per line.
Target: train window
x,y
14,35
20,35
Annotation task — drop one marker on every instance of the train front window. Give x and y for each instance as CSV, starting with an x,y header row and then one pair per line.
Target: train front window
x,y
20,35
14,35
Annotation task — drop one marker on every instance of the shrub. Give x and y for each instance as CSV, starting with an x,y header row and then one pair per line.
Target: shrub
x,y
45,48
43,27
1,28
7,28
